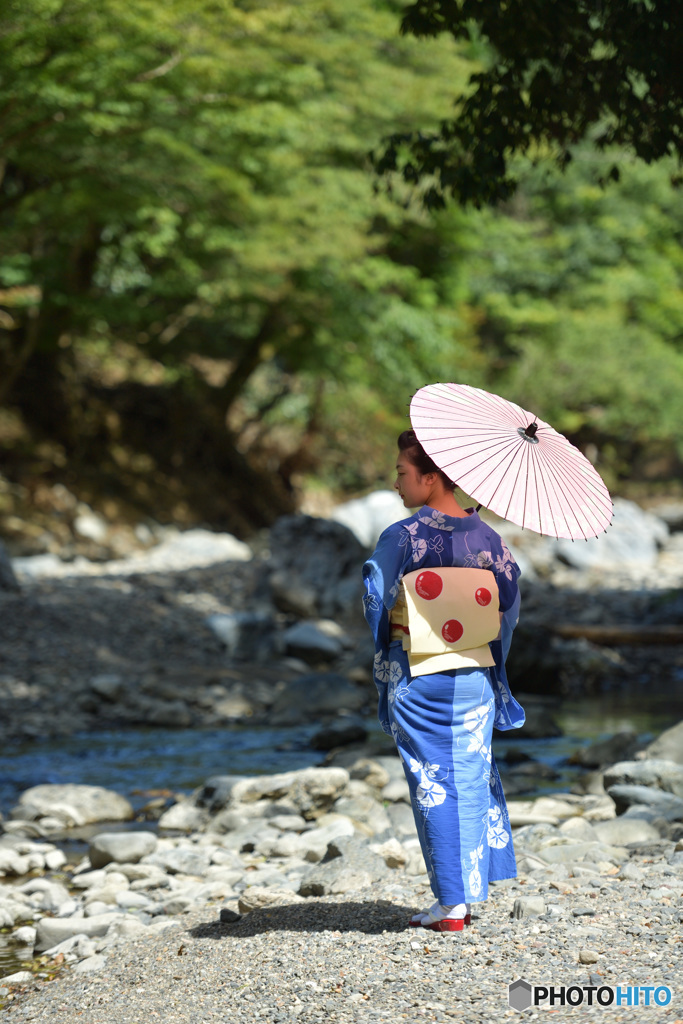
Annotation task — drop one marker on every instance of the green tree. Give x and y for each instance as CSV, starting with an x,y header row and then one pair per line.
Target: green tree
x,y
552,75
185,202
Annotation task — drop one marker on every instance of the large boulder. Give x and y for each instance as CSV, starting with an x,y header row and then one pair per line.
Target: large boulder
x,y
664,775
69,805
668,746
633,539
368,517
320,562
316,695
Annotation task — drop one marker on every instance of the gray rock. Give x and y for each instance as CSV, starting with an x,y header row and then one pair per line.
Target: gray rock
x,y
664,804
12,863
539,722
310,791
216,792
307,641
91,964
293,596
402,820
18,978
631,540
668,746
620,831
46,894
181,860
621,745
365,810
109,686
528,906
228,916
194,548
311,696
664,775
321,556
349,864
315,790
340,733
25,936
52,930
8,580
72,805
575,853
243,633
184,817
368,517
121,847
256,898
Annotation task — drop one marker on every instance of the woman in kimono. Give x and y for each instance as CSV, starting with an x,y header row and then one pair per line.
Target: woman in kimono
x,y
440,705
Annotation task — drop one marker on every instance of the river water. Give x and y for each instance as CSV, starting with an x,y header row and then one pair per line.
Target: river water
x,y
135,761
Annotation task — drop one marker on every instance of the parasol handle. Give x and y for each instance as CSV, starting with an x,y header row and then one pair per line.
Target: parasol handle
x,y
529,433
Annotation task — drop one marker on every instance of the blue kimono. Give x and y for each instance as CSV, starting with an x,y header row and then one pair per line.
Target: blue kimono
x,y
442,723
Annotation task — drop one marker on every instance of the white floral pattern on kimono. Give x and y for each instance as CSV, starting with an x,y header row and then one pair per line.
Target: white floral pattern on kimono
x,y
429,792
498,835
475,874
474,722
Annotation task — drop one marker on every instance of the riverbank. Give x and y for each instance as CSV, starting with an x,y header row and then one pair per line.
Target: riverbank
x,y
287,897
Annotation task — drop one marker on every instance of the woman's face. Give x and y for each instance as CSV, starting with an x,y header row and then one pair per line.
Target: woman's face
x,y
413,487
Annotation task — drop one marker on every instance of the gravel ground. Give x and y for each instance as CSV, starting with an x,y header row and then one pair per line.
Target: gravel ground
x,y
352,958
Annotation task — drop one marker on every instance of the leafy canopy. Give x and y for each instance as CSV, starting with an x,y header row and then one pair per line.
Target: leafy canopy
x,y
552,74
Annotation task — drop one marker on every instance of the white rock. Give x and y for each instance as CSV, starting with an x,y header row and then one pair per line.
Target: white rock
x,y
392,852
396,790
25,936
71,805
53,930
89,879
11,863
183,817
626,830
120,847
579,829
54,860
368,517
19,978
631,540
91,526
96,908
132,900
45,894
90,964
254,898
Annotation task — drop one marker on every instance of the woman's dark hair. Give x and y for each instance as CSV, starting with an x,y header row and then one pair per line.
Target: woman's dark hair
x,y
415,453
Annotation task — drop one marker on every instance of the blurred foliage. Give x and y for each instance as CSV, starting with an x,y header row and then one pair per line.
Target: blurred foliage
x,y
207,305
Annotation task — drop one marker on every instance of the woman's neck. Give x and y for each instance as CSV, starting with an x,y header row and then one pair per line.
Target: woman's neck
x,y
446,502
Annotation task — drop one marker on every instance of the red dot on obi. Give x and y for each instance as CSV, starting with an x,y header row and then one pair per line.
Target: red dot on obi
x,y
483,596
452,631
428,585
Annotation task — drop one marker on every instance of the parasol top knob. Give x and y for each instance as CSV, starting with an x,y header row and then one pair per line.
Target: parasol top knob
x,y
529,433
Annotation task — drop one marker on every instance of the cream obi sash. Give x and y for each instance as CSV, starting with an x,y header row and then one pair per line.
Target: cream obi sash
x,y
451,614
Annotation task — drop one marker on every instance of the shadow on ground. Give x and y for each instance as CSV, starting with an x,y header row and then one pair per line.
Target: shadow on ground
x,y
372,917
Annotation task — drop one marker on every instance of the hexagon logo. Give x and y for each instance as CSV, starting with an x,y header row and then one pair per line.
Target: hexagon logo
x,y
519,994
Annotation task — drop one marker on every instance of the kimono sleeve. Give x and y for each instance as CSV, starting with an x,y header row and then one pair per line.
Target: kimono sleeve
x,y
509,713
381,576
506,571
